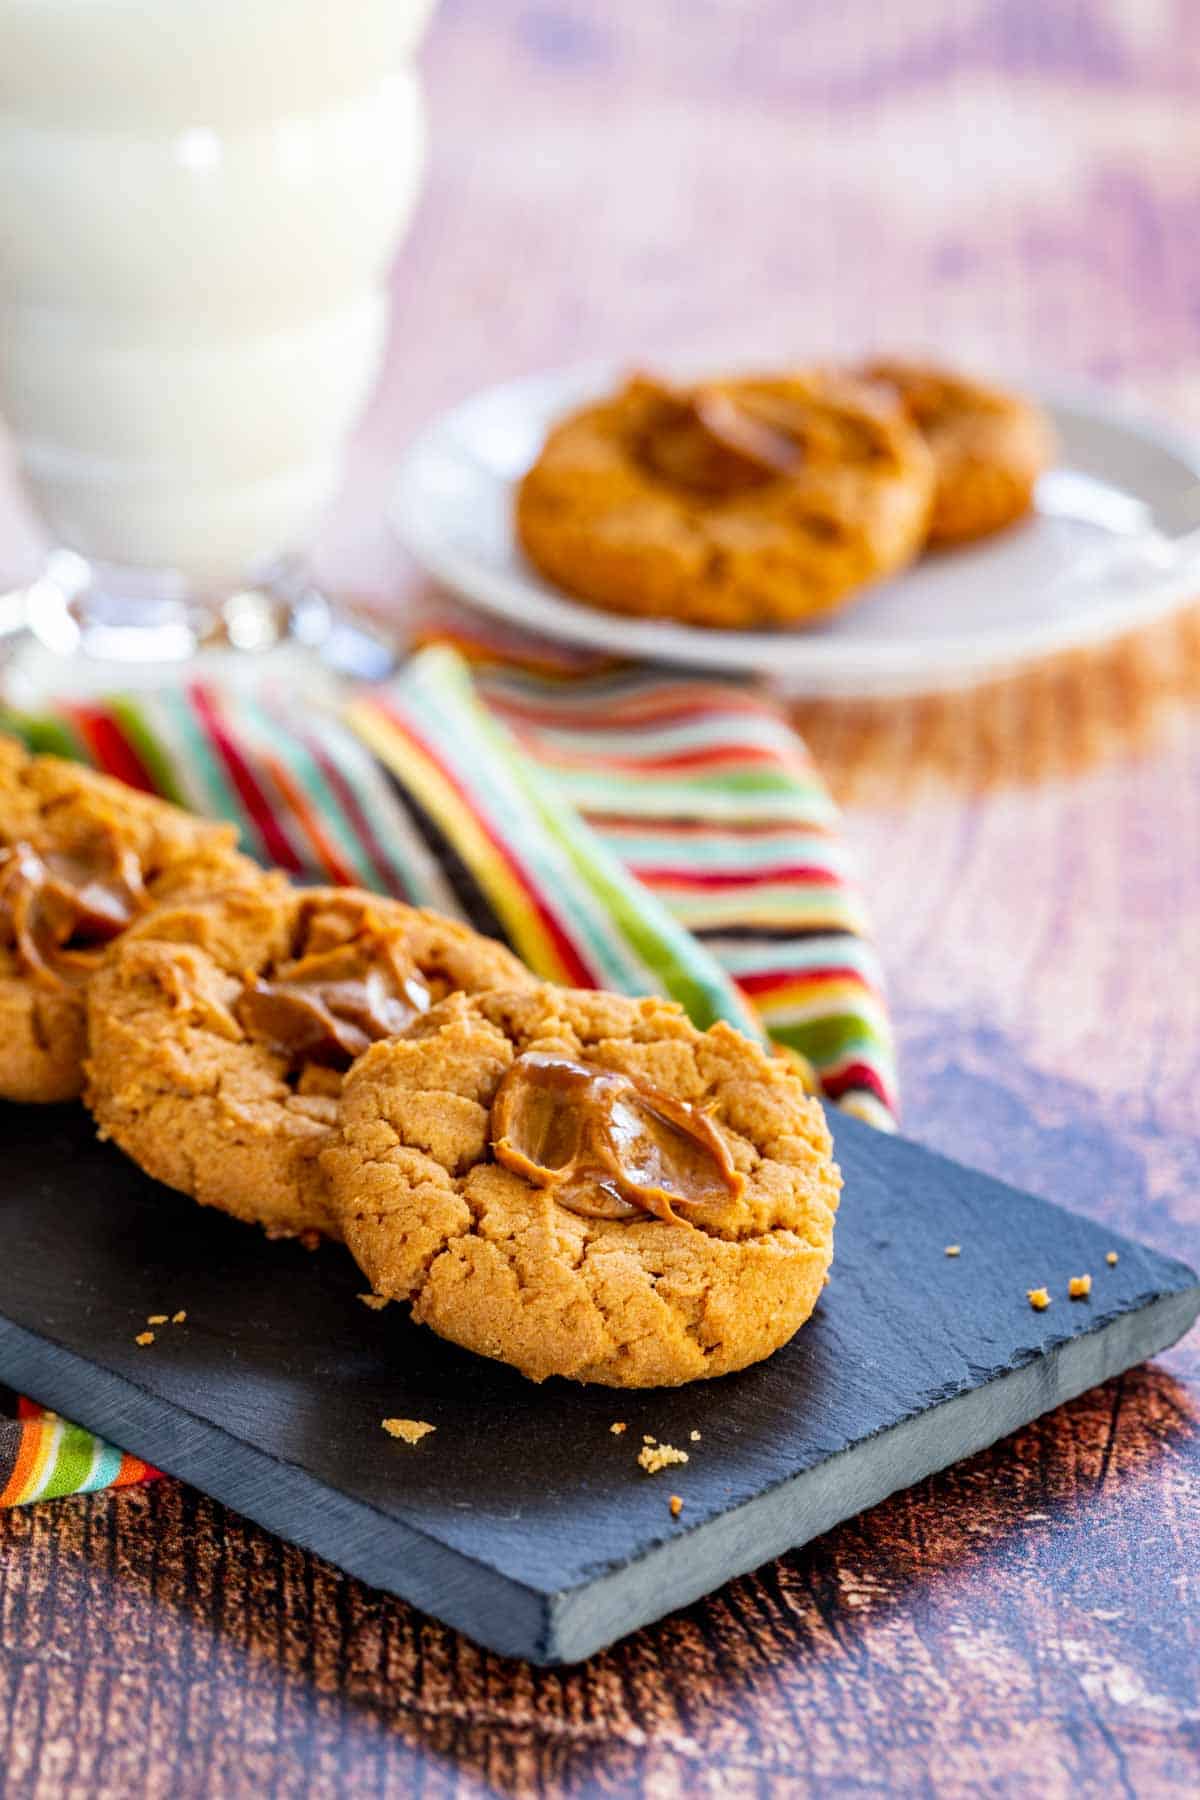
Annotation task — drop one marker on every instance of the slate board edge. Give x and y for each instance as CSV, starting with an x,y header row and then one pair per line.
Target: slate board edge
x,y
281,1496
814,1501
566,1628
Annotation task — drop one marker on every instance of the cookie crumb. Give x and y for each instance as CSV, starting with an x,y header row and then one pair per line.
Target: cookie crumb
x,y
1112,1259
953,1250
376,1302
660,1456
617,1427
411,1430
1079,1287
157,1319
1038,1298
694,1436
676,1506
143,1338
649,1440
179,1318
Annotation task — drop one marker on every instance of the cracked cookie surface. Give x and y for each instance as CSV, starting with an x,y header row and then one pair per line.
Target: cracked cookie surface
x,y
988,446
219,1033
506,1265
736,503
81,858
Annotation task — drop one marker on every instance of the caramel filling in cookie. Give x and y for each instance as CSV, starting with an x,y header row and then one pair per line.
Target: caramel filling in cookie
x,y
329,1005
714,444
607,1146
59,908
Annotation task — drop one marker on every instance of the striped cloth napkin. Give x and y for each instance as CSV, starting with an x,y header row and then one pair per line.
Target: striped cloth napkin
x,y
639,830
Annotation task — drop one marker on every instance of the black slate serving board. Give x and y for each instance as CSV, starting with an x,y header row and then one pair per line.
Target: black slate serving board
x,y
523,1520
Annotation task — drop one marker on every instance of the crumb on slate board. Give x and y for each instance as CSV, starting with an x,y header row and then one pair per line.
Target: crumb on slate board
x,y
410,1430
653,1457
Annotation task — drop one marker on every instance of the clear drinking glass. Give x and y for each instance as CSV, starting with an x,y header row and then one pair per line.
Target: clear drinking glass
x,y
199,200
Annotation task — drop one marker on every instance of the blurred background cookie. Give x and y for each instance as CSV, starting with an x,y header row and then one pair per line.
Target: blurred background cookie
x,y
756,501
989,446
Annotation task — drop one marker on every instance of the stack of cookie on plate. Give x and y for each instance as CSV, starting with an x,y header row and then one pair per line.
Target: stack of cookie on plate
x,y
576,1183
769,501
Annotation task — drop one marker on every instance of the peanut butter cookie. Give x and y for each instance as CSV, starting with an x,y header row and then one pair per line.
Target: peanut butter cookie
x,y
585,1185
988,446
734,503
219,1033
81,857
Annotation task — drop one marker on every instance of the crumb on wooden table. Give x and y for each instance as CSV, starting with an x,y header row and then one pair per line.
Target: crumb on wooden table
x,y
410,1430
694,1436
179,1318
1079,1287
143,1338
652,1458
649,1440
953,1250
617,1427
156,1319
676,1505
376,1302
1112,1259
1038,1298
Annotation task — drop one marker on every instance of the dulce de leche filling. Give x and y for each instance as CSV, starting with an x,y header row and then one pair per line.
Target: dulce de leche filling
x,y
607,1146
327,1006
714,443
59,908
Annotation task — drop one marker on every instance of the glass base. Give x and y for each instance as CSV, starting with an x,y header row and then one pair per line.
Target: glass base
x,y
83,625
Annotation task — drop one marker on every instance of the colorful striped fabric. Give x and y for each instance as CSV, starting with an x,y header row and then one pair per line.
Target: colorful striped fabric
x,y
703,792
43,1457
637,830
529,869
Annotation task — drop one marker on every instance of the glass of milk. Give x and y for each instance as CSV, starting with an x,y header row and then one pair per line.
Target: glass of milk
x,y
199,200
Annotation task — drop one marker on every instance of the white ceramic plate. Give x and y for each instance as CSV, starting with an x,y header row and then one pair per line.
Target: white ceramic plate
x,y
1115,542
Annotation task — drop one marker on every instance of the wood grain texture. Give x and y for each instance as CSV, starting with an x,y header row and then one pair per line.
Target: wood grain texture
x,y
1015,182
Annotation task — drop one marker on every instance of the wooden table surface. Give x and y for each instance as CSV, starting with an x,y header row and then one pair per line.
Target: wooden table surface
x,y
1015,182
